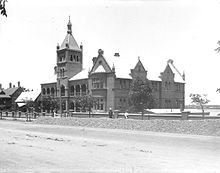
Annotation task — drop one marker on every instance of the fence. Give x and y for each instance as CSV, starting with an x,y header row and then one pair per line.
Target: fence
x,y
166,116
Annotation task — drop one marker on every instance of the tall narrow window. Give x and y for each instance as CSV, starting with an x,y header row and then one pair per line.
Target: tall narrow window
x,y
62,90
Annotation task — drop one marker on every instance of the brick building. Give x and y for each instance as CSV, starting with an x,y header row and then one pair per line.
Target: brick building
x,y
9,95
106,81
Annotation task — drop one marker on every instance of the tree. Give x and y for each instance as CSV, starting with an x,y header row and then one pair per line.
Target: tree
x,y
200,100
140,96
86,102
218,48
47,103
2,7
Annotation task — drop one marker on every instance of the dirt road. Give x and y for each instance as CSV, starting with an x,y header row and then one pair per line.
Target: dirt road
x,y
33,147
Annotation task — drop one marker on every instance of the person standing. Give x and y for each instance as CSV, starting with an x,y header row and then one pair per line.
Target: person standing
x,y
126,114
110,113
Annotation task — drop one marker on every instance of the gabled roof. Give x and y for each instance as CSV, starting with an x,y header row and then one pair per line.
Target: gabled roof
x,y
28,95
81,75
139,64
70,42
100,61
178,77
100,69
51,79
122,68
3,94
11,91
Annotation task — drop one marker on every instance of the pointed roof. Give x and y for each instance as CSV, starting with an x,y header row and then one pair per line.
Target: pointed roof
x,y
100,69
11,91
69,41
178,77
139,64
100,63
81,75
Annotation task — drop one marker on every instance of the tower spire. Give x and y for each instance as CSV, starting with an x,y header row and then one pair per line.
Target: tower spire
x,y
69,27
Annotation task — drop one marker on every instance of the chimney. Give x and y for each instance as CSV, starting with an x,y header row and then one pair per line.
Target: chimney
x,y
184,76
13,86
0,86
10,85
116,54
19,84
81,46
58,46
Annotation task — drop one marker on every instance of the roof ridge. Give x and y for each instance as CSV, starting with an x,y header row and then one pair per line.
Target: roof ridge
x,y
176,69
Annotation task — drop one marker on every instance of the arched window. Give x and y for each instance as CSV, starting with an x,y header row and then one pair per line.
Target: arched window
x,y
63,72
52,90
62,90
72,105
77,90
83,89
44,91
60,72
48,91
72,90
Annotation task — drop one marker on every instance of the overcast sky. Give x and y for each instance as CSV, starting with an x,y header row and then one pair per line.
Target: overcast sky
x,y
155,30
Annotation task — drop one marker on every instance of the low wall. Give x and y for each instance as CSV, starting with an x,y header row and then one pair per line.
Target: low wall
x,y
166,116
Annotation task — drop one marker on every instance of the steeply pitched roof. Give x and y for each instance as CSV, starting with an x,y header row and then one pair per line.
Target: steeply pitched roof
x,y
178,77
28,95
100,69
11,91
3,94
81,75
70,42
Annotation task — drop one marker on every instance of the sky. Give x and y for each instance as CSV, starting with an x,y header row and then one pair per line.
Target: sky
x,y
154,30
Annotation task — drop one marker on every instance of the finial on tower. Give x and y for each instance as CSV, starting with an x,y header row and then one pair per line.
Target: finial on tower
x,y
69,27
138,58
100,52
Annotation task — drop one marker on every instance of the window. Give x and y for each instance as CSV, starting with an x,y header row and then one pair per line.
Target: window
x,y
123,84
52,90
44,91
62,90
83,89
178,87
48,91
97,83
99,105
71,57
72,90
155,86
77,90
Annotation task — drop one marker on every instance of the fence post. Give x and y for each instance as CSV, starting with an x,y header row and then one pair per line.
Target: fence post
x,y
184,115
